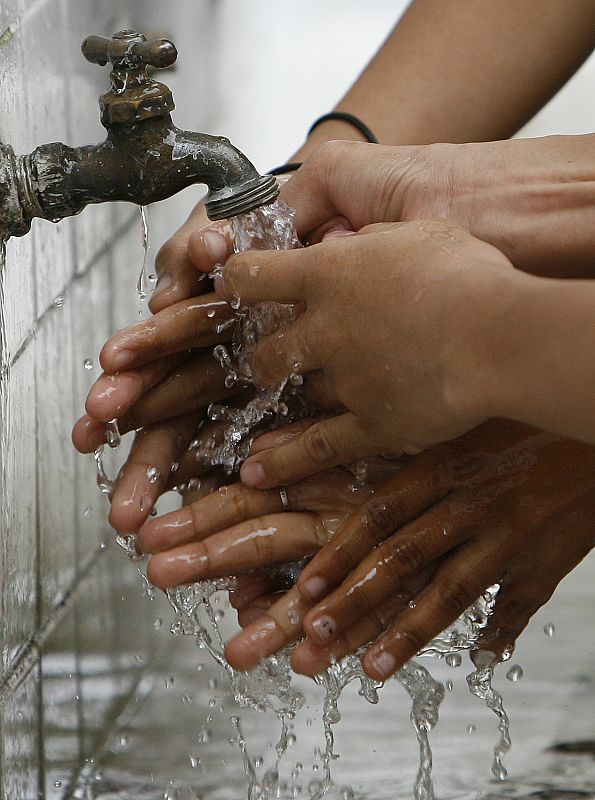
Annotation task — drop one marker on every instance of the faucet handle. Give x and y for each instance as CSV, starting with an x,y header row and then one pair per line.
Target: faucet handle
x,y
129,50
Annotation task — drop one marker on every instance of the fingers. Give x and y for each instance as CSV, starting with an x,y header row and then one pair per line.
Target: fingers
x,y
177,277
455,586
112,395
210,245
310,658
220,510
398,501
283,353
273,538
277,627
382,573
198,382
194,323
259,275
146,472
335,440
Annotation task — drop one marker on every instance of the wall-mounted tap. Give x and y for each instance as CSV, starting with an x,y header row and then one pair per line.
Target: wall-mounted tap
x,y
144,158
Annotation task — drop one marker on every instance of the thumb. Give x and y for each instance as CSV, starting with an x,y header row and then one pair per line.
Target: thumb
x,y
335,440
353,182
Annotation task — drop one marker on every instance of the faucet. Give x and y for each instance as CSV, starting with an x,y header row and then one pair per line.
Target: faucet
x,y
143,159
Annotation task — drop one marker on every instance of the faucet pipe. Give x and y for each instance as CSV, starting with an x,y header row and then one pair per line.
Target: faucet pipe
x,y
145,157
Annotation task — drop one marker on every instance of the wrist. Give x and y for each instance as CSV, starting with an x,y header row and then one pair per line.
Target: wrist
x,y
328,131
487,352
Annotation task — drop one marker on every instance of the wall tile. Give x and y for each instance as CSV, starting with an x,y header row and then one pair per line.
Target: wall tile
x,y
55,455
18,536
21,745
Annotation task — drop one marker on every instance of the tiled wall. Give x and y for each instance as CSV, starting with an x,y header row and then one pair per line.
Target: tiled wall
x,y
74,624
61,595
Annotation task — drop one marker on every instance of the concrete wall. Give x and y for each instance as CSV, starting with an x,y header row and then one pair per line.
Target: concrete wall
x,y
75,628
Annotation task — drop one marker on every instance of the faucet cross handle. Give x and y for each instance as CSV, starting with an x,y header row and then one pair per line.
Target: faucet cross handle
x,y
129,50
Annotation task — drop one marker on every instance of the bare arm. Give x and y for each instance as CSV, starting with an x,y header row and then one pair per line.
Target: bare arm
x,y
540,355
465,70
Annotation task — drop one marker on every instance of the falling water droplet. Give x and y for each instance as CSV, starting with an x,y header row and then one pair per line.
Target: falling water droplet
x,y
88,363
549,629
113,433
158,623
515,673
454,660
59,300
153,474
471,728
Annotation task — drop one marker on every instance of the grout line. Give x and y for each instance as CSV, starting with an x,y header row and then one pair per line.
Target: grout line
x,y
30,652
30,335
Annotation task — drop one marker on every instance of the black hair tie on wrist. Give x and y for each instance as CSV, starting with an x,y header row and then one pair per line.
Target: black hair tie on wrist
x,y
291,166
343,116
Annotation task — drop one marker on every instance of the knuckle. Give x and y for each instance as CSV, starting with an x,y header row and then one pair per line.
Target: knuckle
x,y
406,557
413,638
455,597
380,516
375,622
318,444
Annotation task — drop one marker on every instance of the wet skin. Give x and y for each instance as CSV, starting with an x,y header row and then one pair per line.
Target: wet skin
x,y
156,444
504,503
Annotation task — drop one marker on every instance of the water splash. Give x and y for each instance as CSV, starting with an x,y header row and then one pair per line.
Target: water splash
x,y
480,685
269,227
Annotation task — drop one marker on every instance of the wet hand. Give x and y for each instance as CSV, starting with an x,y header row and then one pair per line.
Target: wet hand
x,y
408,367
159,375
504,504
495,190
238,530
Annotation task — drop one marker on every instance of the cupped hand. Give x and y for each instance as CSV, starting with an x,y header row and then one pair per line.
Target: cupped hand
x,y
391,331
237,530
503,504
159,376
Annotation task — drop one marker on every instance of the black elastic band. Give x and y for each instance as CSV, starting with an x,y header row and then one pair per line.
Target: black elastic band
x,y
291,166
343,116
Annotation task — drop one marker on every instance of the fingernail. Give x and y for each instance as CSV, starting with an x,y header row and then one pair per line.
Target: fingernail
x,y
325,628
122,359
314,587
384,663
164,283
252,475
215,245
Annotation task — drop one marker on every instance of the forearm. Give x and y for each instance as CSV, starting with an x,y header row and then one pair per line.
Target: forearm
x,y
465,70
539,358
534,199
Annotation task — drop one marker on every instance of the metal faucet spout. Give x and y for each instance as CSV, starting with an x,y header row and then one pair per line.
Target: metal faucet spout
x,y
145,157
